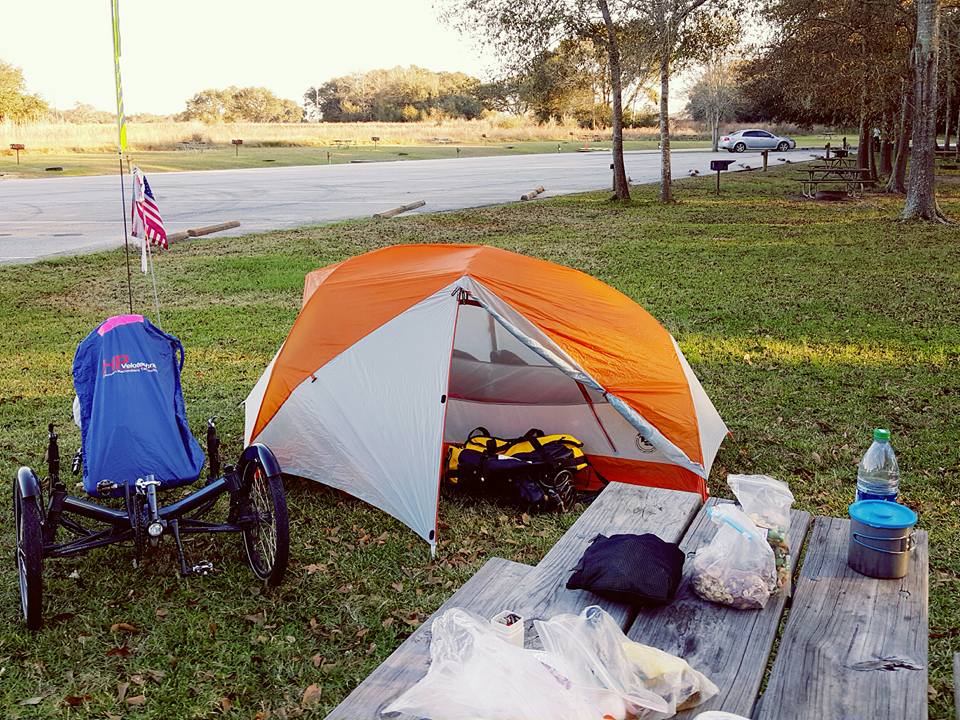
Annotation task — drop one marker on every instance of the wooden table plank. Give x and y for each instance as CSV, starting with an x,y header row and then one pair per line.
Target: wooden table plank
x,y
956,684
729,646
482,594
854,647
620,508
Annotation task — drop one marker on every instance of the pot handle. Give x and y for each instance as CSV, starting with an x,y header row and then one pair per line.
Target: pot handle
x,y
909,542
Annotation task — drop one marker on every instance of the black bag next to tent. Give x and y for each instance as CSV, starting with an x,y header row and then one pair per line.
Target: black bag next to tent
x,y
535,470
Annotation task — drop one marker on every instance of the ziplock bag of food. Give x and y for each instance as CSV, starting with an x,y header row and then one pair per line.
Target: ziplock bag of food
x,y
767,501
476,674
599,654
737,567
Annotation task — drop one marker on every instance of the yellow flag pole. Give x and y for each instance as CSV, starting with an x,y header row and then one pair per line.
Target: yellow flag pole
x,y
121,138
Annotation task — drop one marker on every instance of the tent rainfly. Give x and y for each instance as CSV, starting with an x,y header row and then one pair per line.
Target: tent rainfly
x,y
401,350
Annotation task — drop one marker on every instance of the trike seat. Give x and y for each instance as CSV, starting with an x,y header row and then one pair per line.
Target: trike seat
x,y
133,420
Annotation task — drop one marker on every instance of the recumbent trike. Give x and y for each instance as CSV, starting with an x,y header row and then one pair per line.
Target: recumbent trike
x,y
135,443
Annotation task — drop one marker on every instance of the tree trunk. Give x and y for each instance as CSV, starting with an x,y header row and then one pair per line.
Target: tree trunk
x,y
956,146
921,203
715,134
898,175
621,189
871,155
666,193
886,154
948,102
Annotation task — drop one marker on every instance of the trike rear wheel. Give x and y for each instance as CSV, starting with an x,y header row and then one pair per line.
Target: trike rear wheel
x,y
267,538
29,556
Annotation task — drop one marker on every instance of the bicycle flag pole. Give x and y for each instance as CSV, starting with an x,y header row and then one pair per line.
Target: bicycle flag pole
x,y
121,138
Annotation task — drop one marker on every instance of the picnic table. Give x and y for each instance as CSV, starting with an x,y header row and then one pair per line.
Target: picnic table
x,y
850,178
852,647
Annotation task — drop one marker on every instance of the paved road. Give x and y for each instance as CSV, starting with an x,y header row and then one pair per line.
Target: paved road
x,y
58,216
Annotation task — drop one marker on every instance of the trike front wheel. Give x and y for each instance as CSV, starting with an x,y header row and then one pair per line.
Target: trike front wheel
x,y
29,556
266,534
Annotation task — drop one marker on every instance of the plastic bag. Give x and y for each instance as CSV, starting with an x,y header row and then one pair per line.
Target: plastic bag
x,y
670,677
474,674
737,568
767,501
592,648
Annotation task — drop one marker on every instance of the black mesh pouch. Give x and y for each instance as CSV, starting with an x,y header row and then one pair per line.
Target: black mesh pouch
x,y
632,569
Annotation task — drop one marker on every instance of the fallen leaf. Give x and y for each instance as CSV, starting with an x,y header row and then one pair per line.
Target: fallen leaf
x,y
525,519
387,622
76,700
213,628
121,651
317,660
32,700
60,618
137,700
315,568
290,639
258,618
122,690
161,612
156,675
398,586
75,575
311,696
123,627
225,704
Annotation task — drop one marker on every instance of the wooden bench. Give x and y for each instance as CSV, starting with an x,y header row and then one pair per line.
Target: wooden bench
x,y
852,648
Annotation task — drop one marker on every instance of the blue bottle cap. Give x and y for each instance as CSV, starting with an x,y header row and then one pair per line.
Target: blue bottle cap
x,y
883,514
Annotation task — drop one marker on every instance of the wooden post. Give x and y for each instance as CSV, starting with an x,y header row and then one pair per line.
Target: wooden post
x,y
533,193
402,209
18,147
328,157
827,149
237,144
197,232
765,153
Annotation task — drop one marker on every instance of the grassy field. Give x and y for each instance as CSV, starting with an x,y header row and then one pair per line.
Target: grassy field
x,y
157,147
808,325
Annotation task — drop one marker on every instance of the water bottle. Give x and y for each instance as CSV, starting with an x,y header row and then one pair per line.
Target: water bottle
x,y
878,475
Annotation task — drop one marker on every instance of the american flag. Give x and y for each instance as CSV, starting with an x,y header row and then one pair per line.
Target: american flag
x,y
145,214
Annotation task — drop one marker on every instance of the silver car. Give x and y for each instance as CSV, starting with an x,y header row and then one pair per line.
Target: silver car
x,y
743,140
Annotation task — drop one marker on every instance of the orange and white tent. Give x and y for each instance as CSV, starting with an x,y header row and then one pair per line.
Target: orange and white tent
x,y
401,350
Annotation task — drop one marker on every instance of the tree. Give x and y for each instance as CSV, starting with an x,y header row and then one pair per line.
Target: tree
x,y
235,104
681,31
395,95
521,31
16,104
921,203
713,98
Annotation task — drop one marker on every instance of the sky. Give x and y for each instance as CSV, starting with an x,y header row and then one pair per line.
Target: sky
x,y
172,49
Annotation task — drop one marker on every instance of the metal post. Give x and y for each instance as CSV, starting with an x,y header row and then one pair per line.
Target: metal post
x,y
718,182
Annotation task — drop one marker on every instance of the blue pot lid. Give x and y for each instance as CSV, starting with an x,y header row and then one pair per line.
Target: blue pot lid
x,y
883,514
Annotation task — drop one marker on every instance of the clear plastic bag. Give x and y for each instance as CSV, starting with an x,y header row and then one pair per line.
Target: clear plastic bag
x,y
604,656
474,674
737,568
767,501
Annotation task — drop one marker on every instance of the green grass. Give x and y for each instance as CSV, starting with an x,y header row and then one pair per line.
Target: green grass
x,y
33,165
807,323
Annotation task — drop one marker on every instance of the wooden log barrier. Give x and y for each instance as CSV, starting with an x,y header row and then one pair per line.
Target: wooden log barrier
x,y
197,232
402,209
532,194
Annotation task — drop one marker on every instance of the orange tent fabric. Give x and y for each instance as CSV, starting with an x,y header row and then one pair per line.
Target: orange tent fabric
x,y
600,327
400,350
